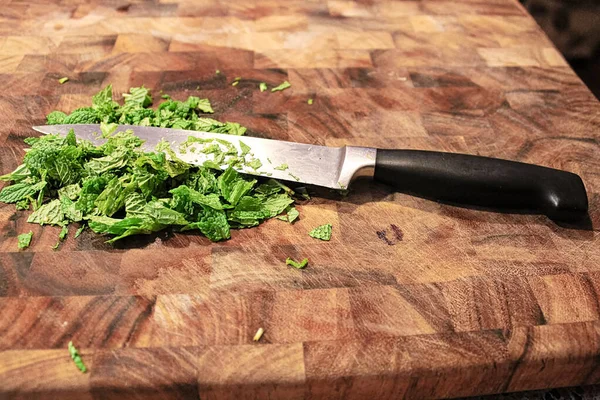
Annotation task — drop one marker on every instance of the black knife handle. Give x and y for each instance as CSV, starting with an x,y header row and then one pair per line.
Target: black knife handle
x,y
482,181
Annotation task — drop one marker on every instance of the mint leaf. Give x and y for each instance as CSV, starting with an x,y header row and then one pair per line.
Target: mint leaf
x,y
55,118
48,214
24,240
212,223
233,186
138,97
20,173
107,129
20,191
204,106
322,232
291,216
184,193
255,164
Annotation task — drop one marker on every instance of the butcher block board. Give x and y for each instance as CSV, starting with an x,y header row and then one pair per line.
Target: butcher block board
x,y
410,298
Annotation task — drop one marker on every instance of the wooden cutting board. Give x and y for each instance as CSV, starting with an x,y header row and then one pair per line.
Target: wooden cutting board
x,y
410,298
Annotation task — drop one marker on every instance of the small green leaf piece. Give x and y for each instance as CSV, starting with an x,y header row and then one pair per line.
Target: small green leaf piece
x,y
24,240
322,232
79,231
63,232
281,87
296,264
76,357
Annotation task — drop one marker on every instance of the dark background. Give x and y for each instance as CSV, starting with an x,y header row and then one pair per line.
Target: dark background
x,y
574,27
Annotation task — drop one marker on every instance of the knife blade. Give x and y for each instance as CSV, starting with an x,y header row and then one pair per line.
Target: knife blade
x,y
331,167
460,179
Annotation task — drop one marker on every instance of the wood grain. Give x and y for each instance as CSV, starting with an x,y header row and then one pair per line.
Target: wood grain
x,y
410,298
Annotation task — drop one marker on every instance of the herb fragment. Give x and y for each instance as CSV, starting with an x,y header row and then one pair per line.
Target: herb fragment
x,y
262,86
310,101
281,87
63,80
281,167
24,240
291,216
296,264
322,232
79,231
76,357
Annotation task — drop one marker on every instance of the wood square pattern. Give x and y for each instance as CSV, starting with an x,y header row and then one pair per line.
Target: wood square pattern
x,y
410,299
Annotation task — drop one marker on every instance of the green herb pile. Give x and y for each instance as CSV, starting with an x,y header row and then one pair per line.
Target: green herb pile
x,y
136,111
119,189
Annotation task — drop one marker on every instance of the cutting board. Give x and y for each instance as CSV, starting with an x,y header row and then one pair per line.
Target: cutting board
x,y
410,298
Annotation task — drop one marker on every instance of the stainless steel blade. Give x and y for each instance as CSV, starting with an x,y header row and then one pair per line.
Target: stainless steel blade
x,y
331,167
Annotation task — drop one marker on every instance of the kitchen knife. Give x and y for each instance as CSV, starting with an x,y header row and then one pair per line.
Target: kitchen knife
x,y
456,178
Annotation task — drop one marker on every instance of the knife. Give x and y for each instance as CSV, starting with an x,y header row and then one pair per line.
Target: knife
x,y
448,177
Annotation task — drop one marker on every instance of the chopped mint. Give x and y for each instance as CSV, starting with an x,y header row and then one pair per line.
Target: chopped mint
x,y
76,358
281,167
79,231
291,216
310,101
63,232
262,86
296,264
245,148
24,240
322,232
281,87
120,189
254,164
63,80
